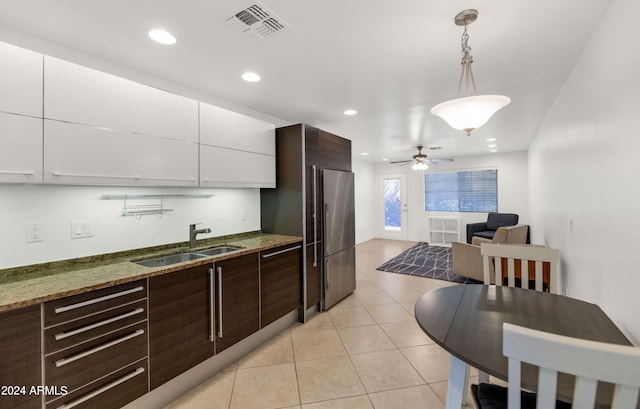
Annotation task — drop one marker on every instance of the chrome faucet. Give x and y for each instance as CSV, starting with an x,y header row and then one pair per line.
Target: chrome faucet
x,y
193,233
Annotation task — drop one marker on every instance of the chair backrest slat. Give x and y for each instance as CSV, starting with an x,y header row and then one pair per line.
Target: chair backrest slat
x,y
589,361
505,256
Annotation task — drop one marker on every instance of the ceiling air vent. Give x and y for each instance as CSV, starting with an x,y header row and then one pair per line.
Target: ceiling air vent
x,y
257,21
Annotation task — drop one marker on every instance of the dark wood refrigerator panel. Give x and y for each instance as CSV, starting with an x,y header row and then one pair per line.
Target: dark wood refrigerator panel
x,y
312,182
294,207
314,278
281,208
336,152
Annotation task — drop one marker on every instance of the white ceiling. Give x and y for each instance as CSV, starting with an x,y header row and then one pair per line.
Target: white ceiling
x,y
390,60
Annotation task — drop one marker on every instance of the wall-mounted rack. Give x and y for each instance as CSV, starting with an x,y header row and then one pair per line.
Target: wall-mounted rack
x,y
139,209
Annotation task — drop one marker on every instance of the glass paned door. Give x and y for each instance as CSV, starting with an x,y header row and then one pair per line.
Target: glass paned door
x,y
393,206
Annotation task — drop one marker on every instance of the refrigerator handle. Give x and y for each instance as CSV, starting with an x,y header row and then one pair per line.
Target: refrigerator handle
x,y
315,218
327,238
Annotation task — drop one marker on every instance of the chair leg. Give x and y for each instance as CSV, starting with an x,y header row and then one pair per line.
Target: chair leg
x,y
458,383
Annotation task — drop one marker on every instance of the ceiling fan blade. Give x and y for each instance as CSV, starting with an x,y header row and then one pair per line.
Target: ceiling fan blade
x,y
441,160
402,161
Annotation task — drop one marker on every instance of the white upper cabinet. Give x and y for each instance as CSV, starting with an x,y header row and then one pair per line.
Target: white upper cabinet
x,y
81,154
20,115
20,149
235,150
221,167
20,81
81,95
228,129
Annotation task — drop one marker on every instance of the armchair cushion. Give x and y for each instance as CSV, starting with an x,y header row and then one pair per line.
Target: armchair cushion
x,y
495,220
488,228
466,259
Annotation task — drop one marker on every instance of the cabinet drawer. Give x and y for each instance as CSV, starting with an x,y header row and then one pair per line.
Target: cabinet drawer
x,y
93,326
79,365
110,392
94,302
280,288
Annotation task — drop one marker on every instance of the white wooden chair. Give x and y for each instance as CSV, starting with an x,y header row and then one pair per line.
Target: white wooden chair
x,y
523,254
589,361
538,255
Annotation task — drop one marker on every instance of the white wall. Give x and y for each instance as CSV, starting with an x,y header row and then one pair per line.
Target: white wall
x,y
56,206
365,199
584,168
512,190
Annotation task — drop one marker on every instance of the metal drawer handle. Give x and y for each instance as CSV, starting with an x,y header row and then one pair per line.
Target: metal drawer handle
x,y
64,335
97,300
105,388
73,358
17,172
136,177
280,252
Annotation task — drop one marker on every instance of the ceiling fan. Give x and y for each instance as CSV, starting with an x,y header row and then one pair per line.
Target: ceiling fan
x,y
421,161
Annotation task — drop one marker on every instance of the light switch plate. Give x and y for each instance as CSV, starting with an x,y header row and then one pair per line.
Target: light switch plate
x,y
81,229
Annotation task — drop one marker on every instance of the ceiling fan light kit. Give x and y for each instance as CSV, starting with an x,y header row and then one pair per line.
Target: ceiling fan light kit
x,y
471,111
421,162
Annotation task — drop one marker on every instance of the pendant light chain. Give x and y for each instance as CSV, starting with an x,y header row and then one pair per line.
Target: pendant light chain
x,y
467,60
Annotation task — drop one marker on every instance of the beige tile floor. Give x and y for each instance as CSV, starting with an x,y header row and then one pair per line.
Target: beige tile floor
x,y
366,352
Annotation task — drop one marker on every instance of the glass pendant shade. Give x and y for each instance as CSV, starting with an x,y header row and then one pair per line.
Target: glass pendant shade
x,y
469,113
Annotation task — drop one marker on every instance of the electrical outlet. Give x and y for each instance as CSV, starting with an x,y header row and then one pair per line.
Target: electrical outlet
x,y
243,214
33,232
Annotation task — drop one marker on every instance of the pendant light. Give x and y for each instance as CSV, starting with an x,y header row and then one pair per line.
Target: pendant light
x,y
471,111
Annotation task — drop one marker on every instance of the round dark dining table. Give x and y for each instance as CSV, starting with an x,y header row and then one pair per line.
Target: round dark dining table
x,y
466,320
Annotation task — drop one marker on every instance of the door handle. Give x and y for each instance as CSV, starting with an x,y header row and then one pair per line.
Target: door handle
x,y
212,302
315,218
219,302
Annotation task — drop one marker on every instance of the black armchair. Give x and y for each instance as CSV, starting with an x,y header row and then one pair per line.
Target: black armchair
x,y
487,229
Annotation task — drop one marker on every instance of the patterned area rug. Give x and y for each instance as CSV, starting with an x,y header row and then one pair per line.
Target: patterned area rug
x,y
425,261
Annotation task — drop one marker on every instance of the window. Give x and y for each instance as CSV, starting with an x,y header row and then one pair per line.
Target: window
x,y
466,191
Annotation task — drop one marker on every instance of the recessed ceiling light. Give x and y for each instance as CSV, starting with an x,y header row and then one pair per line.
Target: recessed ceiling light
x,y
492,146
251,77
493,150
162,37
350,112
365,153
491,139
385,159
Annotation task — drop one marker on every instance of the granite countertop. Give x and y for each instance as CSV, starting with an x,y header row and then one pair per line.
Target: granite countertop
x,y
28,285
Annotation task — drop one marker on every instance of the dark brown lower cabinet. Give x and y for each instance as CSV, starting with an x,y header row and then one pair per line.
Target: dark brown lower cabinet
x,y
96,348
180,322
20,360
237,299
280,271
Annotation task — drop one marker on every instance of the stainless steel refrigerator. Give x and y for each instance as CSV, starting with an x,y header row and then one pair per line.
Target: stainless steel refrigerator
x,y
339,258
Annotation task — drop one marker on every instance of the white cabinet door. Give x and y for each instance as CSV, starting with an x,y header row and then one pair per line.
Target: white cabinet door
x,y
221,167
20,81
81,95
84,155
228,129
20,149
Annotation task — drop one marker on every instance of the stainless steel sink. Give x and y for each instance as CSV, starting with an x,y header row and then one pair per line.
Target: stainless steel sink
x,y
168,260
218,250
